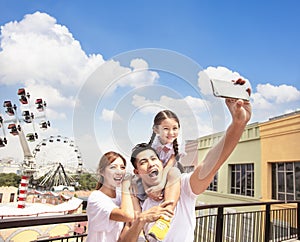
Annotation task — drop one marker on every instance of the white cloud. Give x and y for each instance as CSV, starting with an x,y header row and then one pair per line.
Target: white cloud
x,y
109,115
140,75
54,115
270,101
153,106
192,112
44,51
50,94
260,102
278,94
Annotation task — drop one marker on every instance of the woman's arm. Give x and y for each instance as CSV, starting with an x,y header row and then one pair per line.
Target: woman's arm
x,y
126,211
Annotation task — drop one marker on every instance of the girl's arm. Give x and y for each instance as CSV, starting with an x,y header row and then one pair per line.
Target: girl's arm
x,y
172,188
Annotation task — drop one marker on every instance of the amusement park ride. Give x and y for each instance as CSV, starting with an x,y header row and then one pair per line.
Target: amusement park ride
x,y
36,164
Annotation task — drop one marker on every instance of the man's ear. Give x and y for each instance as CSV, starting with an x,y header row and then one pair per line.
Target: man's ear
x,y
136,172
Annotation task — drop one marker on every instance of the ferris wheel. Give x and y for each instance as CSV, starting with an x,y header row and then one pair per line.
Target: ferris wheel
x,y
58,159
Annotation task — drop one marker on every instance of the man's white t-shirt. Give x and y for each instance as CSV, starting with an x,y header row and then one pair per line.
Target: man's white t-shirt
x,y
100,227
184,220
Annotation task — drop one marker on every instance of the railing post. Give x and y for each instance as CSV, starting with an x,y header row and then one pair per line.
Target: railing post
x,y
267,222
298,220
219,228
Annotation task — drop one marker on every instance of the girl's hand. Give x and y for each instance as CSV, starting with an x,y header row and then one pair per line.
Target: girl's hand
x,y
155,193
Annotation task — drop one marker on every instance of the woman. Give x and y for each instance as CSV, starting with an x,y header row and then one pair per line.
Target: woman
x,y
108,208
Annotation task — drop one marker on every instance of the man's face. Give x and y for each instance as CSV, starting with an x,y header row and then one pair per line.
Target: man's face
x,y
149,167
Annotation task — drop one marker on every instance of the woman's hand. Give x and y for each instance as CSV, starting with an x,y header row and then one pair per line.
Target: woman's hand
x,y
126,182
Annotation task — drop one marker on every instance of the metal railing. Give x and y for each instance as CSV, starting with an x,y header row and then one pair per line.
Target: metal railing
x,y
251,222
239,222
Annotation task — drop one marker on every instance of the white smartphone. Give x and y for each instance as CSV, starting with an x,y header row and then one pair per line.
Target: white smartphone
x,y
229,89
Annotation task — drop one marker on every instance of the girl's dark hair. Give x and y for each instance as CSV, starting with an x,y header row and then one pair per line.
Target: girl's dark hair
x,y
161,116
105,161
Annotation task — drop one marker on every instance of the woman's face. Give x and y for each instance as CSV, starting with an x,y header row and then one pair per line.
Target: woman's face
x,y
114,173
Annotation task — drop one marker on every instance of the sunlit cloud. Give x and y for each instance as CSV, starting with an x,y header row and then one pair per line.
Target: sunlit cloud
x,y
109,115
278,94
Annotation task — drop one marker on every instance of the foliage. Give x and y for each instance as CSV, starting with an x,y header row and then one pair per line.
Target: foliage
x,y
9,179
87,182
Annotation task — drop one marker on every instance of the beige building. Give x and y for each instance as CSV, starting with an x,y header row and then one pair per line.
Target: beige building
x,y
280,157
265,165
8,194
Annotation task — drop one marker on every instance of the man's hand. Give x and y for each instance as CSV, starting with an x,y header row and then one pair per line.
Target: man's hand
x,y
156,212
240,110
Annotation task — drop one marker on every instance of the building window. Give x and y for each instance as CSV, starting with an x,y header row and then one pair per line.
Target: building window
x,y
1,195
12,197
213,186
285,176
242,179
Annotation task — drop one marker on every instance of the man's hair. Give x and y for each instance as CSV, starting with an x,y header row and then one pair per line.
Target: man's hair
x,y
138,149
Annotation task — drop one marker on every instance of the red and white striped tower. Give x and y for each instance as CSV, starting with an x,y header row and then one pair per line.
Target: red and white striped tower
x,y
23,191
28,169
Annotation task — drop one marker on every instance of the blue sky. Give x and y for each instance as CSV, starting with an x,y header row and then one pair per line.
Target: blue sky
x,y
52,48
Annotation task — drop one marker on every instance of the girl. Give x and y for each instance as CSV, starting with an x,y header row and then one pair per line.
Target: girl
x,y
108,208
164,140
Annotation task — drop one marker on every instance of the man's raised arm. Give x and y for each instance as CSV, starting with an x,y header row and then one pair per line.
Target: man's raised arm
x,y
202,176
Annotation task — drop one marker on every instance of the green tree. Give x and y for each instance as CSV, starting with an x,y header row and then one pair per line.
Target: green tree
x,y
9,179
87,182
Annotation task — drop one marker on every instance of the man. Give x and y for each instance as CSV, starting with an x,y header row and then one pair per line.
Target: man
x,y
149,168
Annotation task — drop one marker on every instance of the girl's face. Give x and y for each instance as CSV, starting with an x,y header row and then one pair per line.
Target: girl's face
x,y
114,173
167,130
